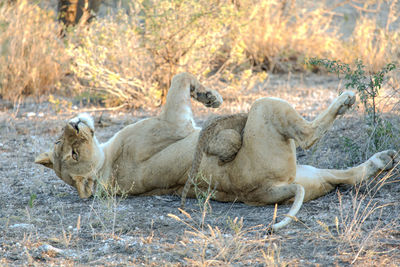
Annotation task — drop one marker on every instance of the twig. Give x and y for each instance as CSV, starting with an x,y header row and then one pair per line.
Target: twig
x,y
104,109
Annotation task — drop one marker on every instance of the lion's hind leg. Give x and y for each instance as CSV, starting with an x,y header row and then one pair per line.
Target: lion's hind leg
x,y
318,182
325,120
277,120
308,133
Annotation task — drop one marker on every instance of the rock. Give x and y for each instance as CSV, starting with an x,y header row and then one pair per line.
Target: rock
x,y
49,249
46,251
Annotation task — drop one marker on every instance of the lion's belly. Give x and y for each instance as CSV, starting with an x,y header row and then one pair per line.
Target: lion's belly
x,y
166,169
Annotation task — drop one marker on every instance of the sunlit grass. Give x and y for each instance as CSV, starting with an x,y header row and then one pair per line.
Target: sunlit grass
x,y
32,57
131,58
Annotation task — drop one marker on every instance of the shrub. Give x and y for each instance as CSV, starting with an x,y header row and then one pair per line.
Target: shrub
x,y
132,58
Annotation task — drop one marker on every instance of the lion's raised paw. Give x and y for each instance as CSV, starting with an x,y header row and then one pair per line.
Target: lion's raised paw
x,y
345,101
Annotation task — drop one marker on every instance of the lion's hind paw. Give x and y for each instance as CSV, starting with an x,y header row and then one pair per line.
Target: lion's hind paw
x,y
346,100
385,160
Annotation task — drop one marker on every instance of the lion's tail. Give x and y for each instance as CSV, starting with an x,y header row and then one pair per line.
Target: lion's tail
x,y
193,172
298,192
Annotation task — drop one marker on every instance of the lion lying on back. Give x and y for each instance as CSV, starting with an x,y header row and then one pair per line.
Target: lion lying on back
x,y
154,156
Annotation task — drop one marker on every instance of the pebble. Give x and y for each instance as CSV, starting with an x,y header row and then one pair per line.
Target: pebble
x,y
33,114
46,248
22,225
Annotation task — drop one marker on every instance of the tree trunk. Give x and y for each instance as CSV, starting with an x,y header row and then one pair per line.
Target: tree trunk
x,y
72,12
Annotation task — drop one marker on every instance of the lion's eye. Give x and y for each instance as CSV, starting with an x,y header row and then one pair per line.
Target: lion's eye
x,y
58,142
192,88
74,155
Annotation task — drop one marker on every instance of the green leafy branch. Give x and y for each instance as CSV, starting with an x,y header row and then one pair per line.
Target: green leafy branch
x,y
367,85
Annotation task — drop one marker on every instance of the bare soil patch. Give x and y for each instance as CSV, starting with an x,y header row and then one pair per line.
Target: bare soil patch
x,y
43,221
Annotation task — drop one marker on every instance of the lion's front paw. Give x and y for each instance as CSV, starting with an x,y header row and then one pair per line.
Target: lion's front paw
x,y
384,161
345,101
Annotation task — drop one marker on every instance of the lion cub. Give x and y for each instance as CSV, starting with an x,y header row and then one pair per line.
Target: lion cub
x,y
220,136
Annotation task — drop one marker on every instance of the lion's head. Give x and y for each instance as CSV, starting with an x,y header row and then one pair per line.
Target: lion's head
x,y
76,155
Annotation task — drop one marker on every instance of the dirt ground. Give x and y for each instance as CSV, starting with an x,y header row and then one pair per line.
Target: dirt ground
x,y
43,221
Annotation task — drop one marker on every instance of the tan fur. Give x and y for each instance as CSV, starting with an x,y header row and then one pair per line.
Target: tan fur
x,y
154,156
220,136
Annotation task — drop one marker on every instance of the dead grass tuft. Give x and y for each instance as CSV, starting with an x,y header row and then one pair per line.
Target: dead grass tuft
x,y
280,34
358,241
211,246
32,58
207,245
374,44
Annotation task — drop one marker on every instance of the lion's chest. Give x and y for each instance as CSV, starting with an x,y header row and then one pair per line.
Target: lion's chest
x,y
157,159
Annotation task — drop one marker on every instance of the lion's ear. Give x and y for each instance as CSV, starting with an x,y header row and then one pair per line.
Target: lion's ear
x,y
45,160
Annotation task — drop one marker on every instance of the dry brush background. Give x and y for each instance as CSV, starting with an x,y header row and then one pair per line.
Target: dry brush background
x,y
118,68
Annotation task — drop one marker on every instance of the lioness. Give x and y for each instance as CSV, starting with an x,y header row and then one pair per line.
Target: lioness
x,y
154,156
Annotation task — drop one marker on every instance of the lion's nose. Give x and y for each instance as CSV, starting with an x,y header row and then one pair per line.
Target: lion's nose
x,y
75,125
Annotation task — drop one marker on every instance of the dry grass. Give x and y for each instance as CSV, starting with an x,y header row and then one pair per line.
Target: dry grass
x,y
359,242
375,45
280,34
206,245
32,57
109,62
131,58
